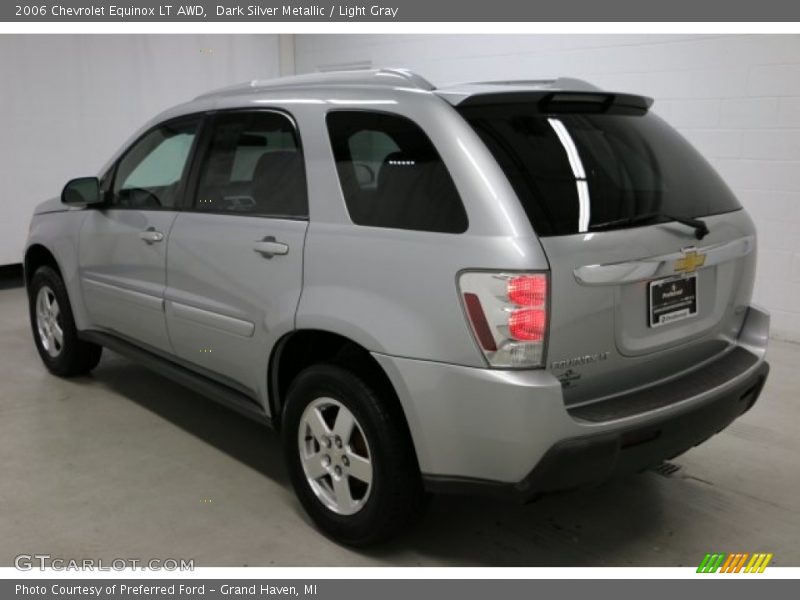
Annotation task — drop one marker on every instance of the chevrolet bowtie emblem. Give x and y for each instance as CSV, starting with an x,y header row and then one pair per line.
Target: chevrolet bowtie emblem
x,y
690,262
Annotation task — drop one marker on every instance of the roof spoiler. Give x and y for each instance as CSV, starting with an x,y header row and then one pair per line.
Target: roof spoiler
x,y
549,101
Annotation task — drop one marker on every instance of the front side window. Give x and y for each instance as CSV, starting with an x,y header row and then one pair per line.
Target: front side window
x,y
149,174
254,165
391,174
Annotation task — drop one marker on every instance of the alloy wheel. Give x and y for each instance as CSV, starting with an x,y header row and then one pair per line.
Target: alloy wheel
x,y
48,321
335,456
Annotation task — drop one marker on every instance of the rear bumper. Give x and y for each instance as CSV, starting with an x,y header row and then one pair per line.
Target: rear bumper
x,y
509,433
589,460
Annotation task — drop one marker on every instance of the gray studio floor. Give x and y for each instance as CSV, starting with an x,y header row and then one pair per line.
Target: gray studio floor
x,y
127,464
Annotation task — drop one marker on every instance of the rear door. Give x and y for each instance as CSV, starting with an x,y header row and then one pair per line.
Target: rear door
x,y
235,254
123,246
636,296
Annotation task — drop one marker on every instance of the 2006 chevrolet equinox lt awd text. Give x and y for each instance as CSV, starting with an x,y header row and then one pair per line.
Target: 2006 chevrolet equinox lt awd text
x,y
510,288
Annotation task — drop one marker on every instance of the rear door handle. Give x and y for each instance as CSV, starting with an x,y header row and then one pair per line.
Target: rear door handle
x,y
269,247
150,235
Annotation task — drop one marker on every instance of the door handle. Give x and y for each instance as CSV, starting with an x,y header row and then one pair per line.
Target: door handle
x,y
150,235
269,247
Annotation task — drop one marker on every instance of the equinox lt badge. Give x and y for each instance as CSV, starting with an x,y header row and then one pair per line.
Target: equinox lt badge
x,y
577,361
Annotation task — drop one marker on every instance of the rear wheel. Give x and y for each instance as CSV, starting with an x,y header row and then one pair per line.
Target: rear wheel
x,y
350,457
54,327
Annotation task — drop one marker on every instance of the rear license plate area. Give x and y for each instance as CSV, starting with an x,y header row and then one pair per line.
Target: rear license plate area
x,y
672,299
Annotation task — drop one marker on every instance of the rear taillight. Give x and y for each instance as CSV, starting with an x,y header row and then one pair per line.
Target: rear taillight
x,y
527,290
508,313
527,324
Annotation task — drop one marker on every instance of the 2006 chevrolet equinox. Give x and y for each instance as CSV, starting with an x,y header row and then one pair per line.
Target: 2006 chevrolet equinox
x,y
510,288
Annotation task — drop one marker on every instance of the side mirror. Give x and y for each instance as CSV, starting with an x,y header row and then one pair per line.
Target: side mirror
x,y
83,191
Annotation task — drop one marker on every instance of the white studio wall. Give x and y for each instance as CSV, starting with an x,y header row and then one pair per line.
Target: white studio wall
x,y
737,98
67,102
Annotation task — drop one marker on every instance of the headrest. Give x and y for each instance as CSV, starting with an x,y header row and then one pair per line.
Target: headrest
x,y
273,164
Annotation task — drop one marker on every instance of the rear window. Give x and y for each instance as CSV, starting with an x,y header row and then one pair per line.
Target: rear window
x,y
575,173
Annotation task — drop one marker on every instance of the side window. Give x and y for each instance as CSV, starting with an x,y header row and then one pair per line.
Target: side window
x,y
254,165
391,175
150,172
368,150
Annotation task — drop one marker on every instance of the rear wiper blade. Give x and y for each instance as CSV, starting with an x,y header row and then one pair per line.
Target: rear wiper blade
x,y
700,227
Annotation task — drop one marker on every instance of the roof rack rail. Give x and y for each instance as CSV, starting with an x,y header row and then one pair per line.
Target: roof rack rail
x,y
376,77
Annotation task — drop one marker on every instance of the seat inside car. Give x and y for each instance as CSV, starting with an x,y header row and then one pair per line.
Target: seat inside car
x,y
278,184
410,185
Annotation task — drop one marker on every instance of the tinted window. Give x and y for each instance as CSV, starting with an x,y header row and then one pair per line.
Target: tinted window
x,y
578,172
391,175
253,166
149,174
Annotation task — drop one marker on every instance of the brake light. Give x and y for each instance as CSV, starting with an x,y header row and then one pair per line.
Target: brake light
x,y
527,324
508,313
528,290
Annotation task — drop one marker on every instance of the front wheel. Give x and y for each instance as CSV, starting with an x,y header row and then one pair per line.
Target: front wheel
x,y
54,332
350,457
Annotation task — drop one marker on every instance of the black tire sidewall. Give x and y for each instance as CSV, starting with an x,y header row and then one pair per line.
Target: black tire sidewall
x,y
375,520
65,363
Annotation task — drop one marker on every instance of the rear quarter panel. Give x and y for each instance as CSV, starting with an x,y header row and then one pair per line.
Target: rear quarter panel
x,y
395,291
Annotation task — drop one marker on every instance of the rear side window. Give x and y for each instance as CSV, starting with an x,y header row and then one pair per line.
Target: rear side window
x,y
253,166
391,175
581,172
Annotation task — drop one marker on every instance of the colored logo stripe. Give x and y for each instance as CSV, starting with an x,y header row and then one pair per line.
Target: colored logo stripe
x,y
758,563
734,563
741,562
711,563
727,567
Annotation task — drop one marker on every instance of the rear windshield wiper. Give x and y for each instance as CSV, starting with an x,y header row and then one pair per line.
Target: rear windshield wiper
x,y
700,228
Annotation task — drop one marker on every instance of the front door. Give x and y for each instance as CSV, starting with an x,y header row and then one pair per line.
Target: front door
x,y
123,244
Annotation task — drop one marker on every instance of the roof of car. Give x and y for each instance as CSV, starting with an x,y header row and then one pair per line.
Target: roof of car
x,y
400,79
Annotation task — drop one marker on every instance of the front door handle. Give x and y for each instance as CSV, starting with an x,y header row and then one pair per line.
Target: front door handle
x,y
269,247
150,235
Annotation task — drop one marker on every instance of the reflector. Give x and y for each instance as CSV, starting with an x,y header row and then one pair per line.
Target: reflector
x,y
479,324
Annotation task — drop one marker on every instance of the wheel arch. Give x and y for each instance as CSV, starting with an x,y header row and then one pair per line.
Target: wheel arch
x,y
302,348
38,255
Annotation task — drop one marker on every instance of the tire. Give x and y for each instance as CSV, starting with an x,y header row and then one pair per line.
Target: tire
x,y
394,496
53,327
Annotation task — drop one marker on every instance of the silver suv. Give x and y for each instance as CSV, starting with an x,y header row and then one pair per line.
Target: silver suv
x,y
508,288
